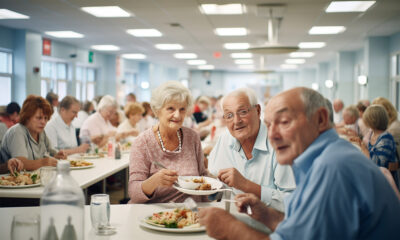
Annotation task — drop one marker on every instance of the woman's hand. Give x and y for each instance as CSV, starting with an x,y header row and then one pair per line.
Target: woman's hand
x,y
49,161
61,155
163,178
15,165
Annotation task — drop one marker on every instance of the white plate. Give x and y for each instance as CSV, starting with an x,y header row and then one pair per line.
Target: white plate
x,y
22,186
143,222
82,167
89,156
215,186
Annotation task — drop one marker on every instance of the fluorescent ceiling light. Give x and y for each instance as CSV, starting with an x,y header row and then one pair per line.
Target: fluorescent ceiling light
x,y
241,55
329,83
105,47
312,45
315,86
236,45
185,55
301,54
133,56
169,46
106,11
196,62
145,85
144,32
206,67
326,30
295,61
244,61
289,66
349,6
231,31
8,14
362,79
64,34
222,9
246,66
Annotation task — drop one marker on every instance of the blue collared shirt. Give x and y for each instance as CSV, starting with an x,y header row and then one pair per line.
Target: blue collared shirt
x,y
276,181
340,194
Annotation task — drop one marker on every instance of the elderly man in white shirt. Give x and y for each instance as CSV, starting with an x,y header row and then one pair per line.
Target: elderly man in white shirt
x,y
61,132
243,158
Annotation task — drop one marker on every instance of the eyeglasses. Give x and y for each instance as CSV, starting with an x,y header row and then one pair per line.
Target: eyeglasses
x,y
241,113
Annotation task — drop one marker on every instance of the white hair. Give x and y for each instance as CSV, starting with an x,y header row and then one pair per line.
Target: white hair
x,y
312,101
107,101
170,91
248,92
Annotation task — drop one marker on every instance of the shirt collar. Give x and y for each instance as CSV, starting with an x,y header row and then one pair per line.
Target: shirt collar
x,y
61,121
303,163
261,140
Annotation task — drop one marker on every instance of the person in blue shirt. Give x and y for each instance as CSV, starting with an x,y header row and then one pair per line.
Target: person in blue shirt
x,y
340,193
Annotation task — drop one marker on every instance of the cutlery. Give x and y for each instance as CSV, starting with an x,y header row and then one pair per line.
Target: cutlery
x,y
248,208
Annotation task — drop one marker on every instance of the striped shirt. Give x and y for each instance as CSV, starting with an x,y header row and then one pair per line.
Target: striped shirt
x,y
384,150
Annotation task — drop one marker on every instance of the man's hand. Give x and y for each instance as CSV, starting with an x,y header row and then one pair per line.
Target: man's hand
x,y
15,165
49,161
233,178
217,222
61,155
83,148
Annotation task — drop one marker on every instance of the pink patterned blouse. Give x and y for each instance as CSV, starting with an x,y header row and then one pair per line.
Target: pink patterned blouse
x,y
146,149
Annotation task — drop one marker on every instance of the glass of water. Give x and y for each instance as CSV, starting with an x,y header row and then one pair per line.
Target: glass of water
x,y
100,214
25,226
46,174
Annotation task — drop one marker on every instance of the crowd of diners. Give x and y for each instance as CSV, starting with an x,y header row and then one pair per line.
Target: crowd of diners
x,y
307,168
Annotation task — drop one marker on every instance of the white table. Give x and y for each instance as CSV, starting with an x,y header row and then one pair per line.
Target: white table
x,y
103,168
126,219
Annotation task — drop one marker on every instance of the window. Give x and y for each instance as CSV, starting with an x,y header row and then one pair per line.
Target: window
x,y
395,79
5,77
54,78
85,83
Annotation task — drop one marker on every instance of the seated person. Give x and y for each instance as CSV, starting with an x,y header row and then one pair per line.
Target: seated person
x,y
83,114
242,157
176,147
350,127
27,140
133,113
11,116
61,132
12,165
148,119
340,194
200,107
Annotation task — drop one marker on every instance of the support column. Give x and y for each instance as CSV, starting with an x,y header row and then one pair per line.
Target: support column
x,y
345,76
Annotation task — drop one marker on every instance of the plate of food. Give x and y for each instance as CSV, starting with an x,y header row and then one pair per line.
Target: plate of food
x,y
198,185
178,220
126,147
80,164
20,180
91,155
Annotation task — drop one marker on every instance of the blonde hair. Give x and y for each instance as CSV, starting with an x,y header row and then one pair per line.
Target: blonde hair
x,y
391,110
376,117
133,108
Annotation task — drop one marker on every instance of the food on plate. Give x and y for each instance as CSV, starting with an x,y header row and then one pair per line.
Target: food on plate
x,y
20,179
79,163
125,147
194,183
197,180
204,186
177,218
92,155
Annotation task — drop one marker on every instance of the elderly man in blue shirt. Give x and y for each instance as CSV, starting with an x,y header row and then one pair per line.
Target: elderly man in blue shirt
x,y
340,193
242,157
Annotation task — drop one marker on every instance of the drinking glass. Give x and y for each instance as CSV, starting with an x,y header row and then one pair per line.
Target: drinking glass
x,y
46,174
100,214
25,226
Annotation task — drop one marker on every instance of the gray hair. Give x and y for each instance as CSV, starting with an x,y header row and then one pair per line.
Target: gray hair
x,y
330,111
169,91
248,92
107,101
352,110
312,100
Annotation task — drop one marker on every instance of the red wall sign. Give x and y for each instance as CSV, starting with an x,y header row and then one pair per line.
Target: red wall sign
x,y
46,47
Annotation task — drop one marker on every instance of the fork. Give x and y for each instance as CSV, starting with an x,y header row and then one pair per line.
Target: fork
x,y
248,208
189,203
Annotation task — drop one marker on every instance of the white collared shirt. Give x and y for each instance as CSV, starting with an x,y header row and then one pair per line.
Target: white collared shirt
x,y
60,134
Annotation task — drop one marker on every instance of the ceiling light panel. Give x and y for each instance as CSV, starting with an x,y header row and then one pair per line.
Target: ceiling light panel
x,y
64,34
169,46
196,62
133,56
244,61
349,6
105,47
312,45
295,61
222,9
106,11
8,14
241,55
144,32
289,66
246,66
301,54
231,31
317,30
185,55
236,45
206,67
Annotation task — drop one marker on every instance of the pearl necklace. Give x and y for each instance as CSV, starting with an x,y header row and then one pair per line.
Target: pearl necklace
x,y
162,143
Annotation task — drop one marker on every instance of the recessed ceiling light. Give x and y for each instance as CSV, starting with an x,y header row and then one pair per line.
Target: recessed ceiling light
x,y
244,61
231,31
106,11
133,56
8,14
236,45
206,67
241,55
329,83
349,6
185,55
289,66
222,9
64,34
315,86
312,45
326,30
144,32
246,66
362,79
295,61
301,54
196,62
169,46
105,47
145,85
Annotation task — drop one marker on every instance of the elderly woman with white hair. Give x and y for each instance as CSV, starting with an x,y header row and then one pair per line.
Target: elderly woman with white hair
x,y
176,147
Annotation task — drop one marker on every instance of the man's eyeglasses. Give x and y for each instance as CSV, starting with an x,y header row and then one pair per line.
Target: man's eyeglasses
x,y
241,113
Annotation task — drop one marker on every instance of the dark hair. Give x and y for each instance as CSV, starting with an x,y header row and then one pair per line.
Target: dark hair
x,y
86,106
67,101
361,107
31,104
146,107
13,107
50,97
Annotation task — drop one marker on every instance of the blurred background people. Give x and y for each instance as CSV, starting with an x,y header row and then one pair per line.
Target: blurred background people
x,y
148,119
52,99
133,114
83,114
130,98
11,116
337,111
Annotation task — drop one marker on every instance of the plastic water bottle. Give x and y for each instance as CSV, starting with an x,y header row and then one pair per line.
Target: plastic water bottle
x,y
111,147
62,207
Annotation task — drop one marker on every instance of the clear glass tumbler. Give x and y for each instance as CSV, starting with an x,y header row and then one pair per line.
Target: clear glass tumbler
x,y
100,214
46,174
25,226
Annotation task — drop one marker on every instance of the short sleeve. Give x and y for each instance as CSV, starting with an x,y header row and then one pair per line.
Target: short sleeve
x,y
17,146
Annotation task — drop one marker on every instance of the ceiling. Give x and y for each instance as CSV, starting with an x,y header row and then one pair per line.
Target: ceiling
x,y
196,31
